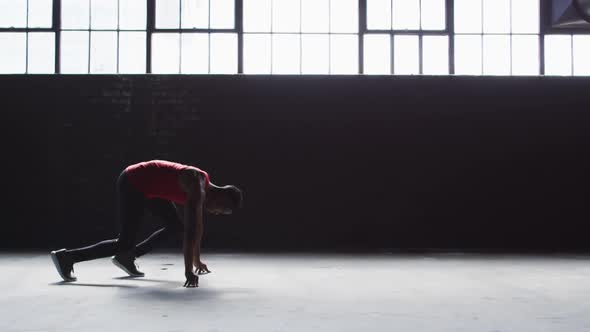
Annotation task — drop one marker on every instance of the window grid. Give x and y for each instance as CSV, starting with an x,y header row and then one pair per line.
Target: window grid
x,y
56,29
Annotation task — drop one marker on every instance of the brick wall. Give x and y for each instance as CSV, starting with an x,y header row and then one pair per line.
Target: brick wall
x,y
365,162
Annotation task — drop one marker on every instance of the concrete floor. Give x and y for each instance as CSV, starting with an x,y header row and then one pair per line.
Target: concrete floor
x,y
248,292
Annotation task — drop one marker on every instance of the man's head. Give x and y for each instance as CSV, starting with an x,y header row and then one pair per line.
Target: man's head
x,y
224,200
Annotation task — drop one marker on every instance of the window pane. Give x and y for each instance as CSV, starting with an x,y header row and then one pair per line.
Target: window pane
x,y
582,55
257,15
468,16
525,55
435,55
525,16
103,14
406,14
433,14
406,55
75,14
285,16
195,53
103,52
344,16
377,54
224,53
13,57
74,52
167,14
379,14
222,14
315,54
256,54
165,53
468,55
344,53
41,53
315,15
496,16
496,55
285,54
13,13
195,14
558,55
40,13
132,55
132,14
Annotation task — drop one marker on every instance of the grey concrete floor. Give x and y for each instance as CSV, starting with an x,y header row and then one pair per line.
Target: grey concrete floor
x,y
250,292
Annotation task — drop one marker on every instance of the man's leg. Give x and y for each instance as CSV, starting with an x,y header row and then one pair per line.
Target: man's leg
x,y
166,211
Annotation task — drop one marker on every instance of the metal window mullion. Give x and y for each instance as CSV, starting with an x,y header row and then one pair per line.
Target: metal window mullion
x,y
301,39
572,53
150,28
27,41
450,26
89,33
391,56
239,26
420,55
180,35
56,27
511,34
118,32
543,12
362,32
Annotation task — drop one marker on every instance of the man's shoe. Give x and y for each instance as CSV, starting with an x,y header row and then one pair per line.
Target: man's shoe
x,y
126,262
64,264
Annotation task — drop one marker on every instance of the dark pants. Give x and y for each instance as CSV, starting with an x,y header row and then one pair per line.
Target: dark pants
x,y
132,205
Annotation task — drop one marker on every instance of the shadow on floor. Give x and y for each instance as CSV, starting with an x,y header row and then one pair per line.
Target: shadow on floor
x,y
65,283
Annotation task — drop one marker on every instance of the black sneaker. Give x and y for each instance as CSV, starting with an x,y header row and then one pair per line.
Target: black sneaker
x,y
126,262
64,264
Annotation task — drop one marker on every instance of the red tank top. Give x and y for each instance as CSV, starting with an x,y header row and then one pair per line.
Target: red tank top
x,y
159,179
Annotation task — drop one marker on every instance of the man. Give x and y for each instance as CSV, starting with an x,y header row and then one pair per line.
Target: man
x,y
156,185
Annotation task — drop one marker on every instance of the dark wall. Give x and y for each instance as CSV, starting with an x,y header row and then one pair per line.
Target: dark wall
x,y
325,162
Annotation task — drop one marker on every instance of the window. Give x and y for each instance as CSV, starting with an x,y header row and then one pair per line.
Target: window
x,y
406,37
312,37
497,37
195,37
26,39
103,36
301,36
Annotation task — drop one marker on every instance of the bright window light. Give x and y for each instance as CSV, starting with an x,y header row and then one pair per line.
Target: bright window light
x,y
435,50
166,53
315,54
344,54
13,55
74,52
104,14
167,14
13,14
195,14
496,16
195,53
496,55
224,53
558,55
379,14
103,52
525,16
132,14
222,14
433,14
285,54
75,14
40,13
257,54
315,15
468,16
468,52
257,15
406,14
132,57
344,16
582,55
285,16
41,53
406,55
525,55
377,54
